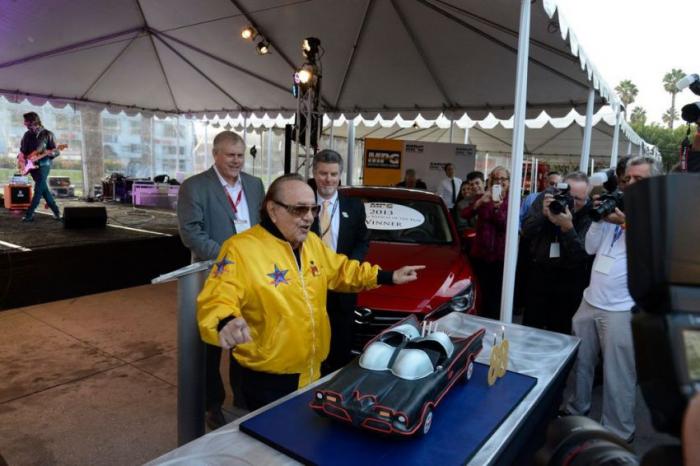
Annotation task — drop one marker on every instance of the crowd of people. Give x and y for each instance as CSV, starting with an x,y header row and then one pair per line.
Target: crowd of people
x,y
286,255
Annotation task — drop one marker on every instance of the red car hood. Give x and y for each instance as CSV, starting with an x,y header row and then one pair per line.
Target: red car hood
x,y
442,277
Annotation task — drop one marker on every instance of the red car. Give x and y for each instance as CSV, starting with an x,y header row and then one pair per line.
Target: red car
x,y
411,227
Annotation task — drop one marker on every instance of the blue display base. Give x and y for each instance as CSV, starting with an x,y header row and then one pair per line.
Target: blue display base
x,y
462,422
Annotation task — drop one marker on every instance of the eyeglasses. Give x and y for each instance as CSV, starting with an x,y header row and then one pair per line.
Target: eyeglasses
x,y
301,209
500,180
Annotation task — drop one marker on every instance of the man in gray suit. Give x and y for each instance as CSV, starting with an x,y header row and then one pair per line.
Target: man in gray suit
x,y
212,206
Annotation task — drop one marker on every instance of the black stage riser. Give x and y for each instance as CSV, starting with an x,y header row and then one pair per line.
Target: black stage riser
x,y
50,274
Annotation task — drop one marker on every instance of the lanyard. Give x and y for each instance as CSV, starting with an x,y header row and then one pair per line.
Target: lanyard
x,y
234,205
330,218
616,236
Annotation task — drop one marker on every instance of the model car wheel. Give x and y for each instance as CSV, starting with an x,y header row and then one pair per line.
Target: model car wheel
x,y
469,372
428,422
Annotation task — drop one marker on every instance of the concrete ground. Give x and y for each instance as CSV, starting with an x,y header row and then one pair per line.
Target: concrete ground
x,y
93,380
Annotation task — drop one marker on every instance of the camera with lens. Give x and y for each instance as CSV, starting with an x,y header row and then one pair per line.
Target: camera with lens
x,y
608,203
562,199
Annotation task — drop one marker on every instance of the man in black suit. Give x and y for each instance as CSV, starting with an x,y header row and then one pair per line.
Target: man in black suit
x,y
341,225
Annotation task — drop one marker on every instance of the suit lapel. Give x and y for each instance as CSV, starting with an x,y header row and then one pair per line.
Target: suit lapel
x,y
220,195
253,214
343,222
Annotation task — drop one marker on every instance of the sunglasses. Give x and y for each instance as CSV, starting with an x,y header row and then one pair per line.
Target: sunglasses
x,y
301,209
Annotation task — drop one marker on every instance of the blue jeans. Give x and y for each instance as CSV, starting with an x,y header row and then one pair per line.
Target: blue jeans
x,y
41,189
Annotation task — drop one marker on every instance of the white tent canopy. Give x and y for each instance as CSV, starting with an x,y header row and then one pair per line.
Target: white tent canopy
x,y
380,56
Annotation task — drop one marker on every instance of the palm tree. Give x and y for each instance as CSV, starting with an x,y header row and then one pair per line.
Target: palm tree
x,y
669,117
627,92
638,116
670,80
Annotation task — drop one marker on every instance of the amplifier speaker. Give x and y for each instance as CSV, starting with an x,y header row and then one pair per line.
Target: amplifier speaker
x,y
84,217
17,196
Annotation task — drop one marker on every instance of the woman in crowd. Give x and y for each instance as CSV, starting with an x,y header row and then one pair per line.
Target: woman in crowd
x,y
488,247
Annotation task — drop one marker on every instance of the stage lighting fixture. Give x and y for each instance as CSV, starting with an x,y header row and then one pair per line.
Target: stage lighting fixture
x,y
248,33
263,47
310,47
305,75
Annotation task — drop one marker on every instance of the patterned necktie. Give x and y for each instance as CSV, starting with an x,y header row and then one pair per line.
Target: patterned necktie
x,y
325,224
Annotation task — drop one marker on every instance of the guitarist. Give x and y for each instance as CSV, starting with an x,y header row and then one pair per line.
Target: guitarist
x,y
39,140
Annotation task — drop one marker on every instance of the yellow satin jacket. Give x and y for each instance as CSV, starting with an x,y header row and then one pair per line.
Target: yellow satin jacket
x,y
256,276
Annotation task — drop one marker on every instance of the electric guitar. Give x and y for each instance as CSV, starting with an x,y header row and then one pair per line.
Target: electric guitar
x,y
29,162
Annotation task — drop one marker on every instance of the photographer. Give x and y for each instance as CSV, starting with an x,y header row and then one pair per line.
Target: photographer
x,y
560,266
603,318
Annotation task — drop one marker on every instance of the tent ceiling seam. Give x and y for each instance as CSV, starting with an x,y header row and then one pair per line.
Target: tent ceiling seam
x,y
496,41
67,48
355,47
424,58
114,60
200,72
155,51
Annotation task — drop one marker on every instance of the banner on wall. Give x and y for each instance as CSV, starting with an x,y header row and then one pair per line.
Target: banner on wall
x,y
386,161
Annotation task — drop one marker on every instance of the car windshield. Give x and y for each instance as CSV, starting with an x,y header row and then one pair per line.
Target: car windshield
x,y
407,221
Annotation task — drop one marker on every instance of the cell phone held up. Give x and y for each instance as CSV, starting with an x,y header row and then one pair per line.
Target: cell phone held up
x,y
496,193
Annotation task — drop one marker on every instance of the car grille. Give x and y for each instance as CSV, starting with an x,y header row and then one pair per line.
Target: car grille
x,y
368,323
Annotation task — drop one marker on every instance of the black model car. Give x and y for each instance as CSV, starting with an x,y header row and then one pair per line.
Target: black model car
x,y
399,378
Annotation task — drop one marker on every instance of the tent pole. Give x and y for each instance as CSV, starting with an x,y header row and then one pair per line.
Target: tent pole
x,y
640,148
269,156
629,147
516,166
616,139
332,142
351,152
592,166
587,132
466,137
533,176
537,168
452,126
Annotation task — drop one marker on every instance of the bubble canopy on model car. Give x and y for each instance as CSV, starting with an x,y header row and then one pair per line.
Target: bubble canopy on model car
x,y
406,354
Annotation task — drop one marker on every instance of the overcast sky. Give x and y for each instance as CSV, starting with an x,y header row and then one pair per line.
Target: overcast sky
x,y
640,40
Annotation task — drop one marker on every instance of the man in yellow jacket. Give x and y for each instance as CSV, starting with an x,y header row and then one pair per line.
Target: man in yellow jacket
x,y
266,295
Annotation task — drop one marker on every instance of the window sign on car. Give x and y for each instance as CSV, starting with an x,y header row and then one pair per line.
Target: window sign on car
x,y
389,216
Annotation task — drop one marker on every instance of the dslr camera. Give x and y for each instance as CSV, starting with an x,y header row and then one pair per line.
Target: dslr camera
x,y
562,199
611,199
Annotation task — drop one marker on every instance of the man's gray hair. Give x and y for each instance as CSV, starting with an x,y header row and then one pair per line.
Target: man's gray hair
x,y
576,176
654,165
328,156
226,136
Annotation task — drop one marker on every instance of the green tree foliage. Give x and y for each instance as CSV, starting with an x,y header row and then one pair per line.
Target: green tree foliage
x,y
669,81
627,91
669,117
638,116
667,140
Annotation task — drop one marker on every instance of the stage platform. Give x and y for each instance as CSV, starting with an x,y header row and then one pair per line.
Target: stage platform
x,y
42,261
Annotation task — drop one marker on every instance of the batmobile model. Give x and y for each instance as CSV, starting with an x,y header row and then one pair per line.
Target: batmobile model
x,y
399,379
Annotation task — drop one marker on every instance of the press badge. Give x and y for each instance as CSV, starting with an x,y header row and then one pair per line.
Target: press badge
x,y
603,264
240,221
554,250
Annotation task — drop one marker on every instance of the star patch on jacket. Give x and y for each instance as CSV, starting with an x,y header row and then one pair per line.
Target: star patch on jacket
x,y
278,276
314,269
221,266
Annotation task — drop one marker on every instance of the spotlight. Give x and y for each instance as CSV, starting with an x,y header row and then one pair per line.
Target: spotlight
x,y
304,75
263,47
310,48
248,33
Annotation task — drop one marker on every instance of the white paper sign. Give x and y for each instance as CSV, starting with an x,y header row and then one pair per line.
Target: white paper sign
x,y
387,216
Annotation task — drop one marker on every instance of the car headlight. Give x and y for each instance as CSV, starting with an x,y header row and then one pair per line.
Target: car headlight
x,y
319,396
401,418
464,300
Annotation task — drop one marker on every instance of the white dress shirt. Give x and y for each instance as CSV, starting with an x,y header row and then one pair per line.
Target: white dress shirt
x,y
445,190
241,212
335,218
608,287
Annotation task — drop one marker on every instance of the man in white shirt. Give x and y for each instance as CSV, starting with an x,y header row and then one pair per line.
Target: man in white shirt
x,y
603,320
211,207
448,189
341,225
